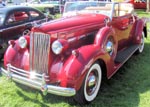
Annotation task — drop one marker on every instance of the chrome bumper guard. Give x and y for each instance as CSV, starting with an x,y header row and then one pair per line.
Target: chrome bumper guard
x,y
39,82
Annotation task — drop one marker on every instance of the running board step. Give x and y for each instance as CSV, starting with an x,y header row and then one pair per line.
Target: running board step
x,y
122,56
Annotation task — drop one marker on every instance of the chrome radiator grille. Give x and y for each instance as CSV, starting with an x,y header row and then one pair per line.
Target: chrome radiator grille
x,y
39,52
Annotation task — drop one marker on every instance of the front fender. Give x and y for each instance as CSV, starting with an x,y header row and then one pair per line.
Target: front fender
x,y
17,57
103,34
72,70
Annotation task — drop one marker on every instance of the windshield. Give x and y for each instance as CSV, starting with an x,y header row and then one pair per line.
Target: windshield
x,y
50,1
1,19
44,1
81,7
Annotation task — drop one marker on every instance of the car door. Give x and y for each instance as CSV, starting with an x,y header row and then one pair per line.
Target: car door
x,y
122,24
15,24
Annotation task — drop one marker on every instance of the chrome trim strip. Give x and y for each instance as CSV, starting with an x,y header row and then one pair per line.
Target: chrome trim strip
x,y
72,39
27,74
45,88
112,11
23,71
82,36
13,27
32,23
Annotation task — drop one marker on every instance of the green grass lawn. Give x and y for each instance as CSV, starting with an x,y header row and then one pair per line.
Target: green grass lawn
x,y
129,87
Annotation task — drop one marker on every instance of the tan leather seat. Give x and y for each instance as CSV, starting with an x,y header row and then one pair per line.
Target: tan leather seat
x,y
120,10
125,8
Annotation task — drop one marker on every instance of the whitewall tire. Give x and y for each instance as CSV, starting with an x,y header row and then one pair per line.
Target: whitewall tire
x,y
90,86
141,45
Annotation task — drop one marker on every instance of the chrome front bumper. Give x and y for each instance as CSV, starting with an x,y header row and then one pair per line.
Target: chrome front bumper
x,y
40,82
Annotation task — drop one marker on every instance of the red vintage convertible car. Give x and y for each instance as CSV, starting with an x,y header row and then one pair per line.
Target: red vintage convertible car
x,y
70,56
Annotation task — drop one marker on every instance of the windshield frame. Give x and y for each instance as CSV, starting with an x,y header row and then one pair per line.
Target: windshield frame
x,y
75,12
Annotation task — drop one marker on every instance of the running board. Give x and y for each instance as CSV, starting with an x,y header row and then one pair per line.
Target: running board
x,y
122,56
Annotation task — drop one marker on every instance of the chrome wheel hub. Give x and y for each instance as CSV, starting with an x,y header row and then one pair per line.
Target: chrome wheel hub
x,y
141,47
91,83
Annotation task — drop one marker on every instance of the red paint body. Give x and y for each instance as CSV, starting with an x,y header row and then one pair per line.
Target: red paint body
x,y
86,35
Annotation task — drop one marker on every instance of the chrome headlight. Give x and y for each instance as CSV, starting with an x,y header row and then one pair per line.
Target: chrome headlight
x,y
22,42
57,47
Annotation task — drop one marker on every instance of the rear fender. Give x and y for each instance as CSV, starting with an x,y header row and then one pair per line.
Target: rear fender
x,y
140,26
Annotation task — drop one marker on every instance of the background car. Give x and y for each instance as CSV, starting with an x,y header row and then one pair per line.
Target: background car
x,y
70,56
50,6
16,21
139,4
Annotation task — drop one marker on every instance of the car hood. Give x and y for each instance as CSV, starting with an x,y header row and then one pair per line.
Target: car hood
x,y
69,23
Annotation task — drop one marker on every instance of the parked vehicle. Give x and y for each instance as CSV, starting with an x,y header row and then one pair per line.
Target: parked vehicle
x,y
70,56
16,21
139,4
46,6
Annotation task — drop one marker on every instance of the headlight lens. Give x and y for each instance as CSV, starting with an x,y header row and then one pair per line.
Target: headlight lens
x,y
22,42
57,47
